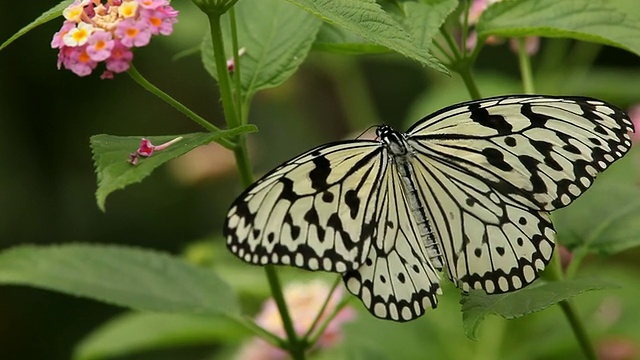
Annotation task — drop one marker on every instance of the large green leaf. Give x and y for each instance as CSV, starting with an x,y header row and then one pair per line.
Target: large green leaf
x,y
276,36
339,40
134,278
47,16
136,332
423,19
477,305
588,20
366,19
111,155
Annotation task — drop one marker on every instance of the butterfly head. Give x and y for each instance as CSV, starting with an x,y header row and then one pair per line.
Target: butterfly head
x,y
393,140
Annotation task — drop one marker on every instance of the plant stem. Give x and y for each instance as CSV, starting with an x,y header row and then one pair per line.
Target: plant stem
x,y
569,311
469,82
137,77
236,63
323,308
295,347
525,67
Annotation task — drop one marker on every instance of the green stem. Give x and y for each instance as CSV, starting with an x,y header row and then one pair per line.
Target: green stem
x,y
267,336
569,311
244,167
525,67
236,62
323,308
469,82
323,327
296,347
137,77
465,27
452,43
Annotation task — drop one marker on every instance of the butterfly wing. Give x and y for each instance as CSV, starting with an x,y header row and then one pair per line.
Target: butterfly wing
x,y
397,280
490,170
316,211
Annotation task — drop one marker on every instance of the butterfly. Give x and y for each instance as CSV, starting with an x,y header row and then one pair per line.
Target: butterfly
x,y
466,190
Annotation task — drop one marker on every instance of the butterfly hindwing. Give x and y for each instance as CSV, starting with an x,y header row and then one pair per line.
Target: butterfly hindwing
x,y
488,241
397,280
315,211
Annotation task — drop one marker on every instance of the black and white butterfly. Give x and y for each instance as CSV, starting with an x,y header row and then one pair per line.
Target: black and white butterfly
x,y
468,188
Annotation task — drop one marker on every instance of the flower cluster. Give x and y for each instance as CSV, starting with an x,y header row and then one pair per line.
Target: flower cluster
x,y
304,302
106,31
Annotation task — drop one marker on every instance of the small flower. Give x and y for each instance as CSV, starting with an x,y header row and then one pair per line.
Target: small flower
x,y
304,302
231,65
99,46
78,36
107,30
133,33
147,149
128,9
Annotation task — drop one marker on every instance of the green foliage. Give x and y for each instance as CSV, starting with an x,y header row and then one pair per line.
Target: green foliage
x,y
137,332
588,20
134,278
277,37
111,154
477,305
366,19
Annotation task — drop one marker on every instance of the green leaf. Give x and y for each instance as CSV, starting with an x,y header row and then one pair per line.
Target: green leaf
x,y
134,278
111,155
366,19
137,332
588,20
424,19
276,36
47,16
477,305
339,40
605,219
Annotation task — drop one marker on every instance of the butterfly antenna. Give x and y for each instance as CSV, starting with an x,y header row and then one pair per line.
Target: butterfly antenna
x,y
365,131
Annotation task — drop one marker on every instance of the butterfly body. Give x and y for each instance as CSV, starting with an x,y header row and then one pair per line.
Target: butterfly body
x,y
467,189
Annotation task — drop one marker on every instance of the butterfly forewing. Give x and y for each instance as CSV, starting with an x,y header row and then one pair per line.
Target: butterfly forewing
x,y
316,211
397,280
543,152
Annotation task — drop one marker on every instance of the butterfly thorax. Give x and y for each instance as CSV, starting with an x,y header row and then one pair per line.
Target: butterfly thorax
x,y
393,141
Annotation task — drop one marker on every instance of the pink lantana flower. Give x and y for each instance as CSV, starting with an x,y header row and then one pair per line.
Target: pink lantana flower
x,y
96,31
304,302
99,45
133,33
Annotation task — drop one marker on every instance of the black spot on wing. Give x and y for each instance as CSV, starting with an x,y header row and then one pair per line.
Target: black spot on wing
x,y
320,173
353,202
496,122
496,158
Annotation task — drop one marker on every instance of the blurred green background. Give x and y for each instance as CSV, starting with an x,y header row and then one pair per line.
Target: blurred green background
x,y
47,182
